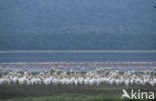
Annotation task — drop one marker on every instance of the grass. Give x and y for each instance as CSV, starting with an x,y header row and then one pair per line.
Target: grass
x,y
15,92
74,97
102,92
66,97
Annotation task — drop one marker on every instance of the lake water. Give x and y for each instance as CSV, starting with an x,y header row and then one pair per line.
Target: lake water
x,y
77,57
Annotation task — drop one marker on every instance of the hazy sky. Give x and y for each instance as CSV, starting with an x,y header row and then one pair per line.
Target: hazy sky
x,y
77,24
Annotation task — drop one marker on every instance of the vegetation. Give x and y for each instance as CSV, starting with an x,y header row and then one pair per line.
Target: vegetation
x,y
70,97
74,97
15,92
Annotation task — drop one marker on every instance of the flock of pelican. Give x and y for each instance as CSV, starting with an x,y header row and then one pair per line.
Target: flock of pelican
x,y
60,75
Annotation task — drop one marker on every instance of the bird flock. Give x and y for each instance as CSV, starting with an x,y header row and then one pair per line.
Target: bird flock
x,y
66,75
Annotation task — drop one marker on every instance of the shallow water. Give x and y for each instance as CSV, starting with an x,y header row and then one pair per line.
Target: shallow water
x,y
39,69
76,57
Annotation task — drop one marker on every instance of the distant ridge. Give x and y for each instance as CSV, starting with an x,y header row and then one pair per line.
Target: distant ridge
x,y
78,51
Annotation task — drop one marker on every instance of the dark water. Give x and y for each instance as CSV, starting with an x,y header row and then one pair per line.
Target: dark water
x,y
76,57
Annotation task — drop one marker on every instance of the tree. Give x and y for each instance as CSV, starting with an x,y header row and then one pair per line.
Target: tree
x,y
154,6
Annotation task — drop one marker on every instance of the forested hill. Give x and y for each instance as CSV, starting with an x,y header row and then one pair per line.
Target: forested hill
x,y
77,24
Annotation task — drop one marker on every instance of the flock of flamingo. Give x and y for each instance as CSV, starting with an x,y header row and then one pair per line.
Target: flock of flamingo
x,y
65,73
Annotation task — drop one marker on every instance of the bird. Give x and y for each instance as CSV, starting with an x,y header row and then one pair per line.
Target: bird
x,y
84,76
